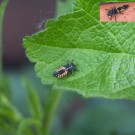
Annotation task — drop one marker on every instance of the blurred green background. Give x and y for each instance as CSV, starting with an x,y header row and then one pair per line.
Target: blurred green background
x,y
75,115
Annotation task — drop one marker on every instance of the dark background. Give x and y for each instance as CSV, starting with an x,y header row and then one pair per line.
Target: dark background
x,y
75,114
21,19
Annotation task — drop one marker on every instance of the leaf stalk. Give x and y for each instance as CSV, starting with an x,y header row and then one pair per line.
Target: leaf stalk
x,y
3,6
50,111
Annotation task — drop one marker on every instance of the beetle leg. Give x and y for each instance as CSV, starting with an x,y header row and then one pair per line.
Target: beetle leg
x,y
70,72
115,17
110,17
77,70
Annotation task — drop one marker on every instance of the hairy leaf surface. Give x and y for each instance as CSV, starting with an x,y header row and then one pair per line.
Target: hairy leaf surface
x,y
103,52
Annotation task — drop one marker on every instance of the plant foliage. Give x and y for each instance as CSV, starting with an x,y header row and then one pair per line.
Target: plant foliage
x,y
103,52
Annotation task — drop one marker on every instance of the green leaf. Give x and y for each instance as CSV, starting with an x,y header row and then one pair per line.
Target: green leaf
x,y
63,7
25,125
5,87
3,6
8,111
33,99
103,53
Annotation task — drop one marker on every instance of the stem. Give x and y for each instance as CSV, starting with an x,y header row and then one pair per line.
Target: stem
x,y
2,11
50,111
